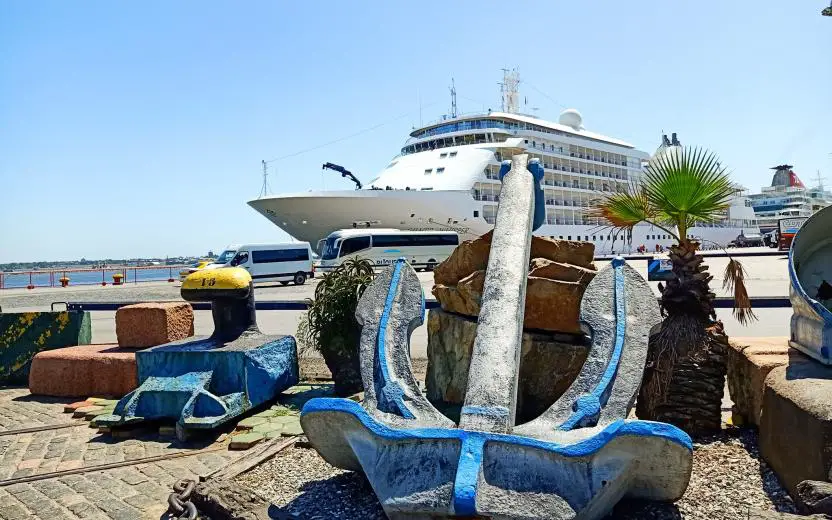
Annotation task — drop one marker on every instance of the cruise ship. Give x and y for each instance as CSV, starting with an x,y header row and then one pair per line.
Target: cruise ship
x,y
446,177
787,197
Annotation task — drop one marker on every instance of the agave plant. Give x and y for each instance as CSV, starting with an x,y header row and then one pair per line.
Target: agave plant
x,y
680,187
329,326
827,11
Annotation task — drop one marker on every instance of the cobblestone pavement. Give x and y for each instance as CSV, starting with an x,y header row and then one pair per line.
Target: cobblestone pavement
x,y
128,492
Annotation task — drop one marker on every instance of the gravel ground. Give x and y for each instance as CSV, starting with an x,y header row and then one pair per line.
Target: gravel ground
x,y
729,478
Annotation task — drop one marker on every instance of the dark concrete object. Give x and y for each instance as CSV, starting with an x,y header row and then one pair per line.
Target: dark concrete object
x,y
24,334
204,382
576,460
810,275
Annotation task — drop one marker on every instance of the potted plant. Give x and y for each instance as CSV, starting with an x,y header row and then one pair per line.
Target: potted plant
x,y
686,360
330,327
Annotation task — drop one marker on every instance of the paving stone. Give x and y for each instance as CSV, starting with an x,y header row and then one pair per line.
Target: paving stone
x,y
292,429
245,441
268,427
92,415
69,408
142,502
14,512
23,473
102,401
84,410
250,422
266,413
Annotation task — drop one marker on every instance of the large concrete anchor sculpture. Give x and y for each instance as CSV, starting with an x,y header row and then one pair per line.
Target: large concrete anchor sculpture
x,y
575,461
203,382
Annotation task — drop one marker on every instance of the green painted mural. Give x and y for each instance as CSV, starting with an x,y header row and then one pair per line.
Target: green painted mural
x,y
24,334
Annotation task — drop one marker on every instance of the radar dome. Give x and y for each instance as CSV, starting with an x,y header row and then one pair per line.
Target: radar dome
x,y
571,117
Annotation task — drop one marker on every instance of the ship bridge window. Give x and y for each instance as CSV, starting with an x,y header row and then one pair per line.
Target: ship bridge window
x,y
452,154
443,155
440,170
428,171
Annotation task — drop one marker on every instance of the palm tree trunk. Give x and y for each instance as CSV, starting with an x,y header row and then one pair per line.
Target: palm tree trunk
x,y
686,360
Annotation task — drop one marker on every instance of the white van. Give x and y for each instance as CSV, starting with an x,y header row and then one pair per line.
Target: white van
x,y
423,249
284,263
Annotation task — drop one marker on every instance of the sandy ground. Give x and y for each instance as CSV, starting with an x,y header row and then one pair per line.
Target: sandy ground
x,y
767,276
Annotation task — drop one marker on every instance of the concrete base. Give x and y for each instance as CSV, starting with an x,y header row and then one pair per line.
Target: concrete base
x,y
796,421
749,362
84,371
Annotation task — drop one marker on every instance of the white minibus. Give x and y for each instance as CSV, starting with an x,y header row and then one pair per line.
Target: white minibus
x,y
284,263
423,249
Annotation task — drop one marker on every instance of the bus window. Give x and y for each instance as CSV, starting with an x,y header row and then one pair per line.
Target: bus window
x,y
280,255
330,248
351,245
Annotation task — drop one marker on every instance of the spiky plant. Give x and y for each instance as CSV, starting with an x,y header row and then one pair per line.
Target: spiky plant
x,y
330,327
686,360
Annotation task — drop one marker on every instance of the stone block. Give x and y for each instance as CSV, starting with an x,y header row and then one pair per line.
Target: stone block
x,y
245,441
542,268
83,371
542,295
149,324
24,334
796,421
749,362
548,364
472,255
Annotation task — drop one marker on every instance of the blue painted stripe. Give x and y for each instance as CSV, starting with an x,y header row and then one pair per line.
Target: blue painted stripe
x,y
498,411
582,448
389,392
588,407
467,476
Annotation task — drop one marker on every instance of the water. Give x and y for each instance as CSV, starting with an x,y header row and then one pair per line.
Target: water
x,y
51,278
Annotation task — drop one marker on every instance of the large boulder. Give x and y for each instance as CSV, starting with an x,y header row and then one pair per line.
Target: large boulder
x,y
472,255
548,364
559,272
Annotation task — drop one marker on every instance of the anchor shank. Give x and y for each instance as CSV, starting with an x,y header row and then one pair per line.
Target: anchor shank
x,y
491,396
233,316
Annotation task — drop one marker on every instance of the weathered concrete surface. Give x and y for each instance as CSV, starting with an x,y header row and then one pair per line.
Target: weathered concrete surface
x,y
84,371
548,364
810,289
149,324
24,334
749,362
491,396
796,421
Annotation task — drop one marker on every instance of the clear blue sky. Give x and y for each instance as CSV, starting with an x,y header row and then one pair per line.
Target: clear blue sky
x,y
138,128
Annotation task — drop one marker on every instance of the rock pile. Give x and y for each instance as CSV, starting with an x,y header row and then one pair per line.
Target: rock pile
x,y
559,272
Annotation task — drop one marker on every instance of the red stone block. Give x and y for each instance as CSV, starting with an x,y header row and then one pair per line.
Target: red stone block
x,y
149,324
83,371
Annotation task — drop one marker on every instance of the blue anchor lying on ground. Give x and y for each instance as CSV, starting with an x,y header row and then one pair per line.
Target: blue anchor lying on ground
x,y
575,461
204,382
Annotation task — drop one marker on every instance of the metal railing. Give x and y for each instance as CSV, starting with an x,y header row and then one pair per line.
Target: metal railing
x,y
88,276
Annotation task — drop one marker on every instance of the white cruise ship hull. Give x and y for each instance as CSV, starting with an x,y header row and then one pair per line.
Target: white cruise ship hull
x,y
313,215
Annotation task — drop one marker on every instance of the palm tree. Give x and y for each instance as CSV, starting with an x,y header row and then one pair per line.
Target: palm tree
x,y
686,361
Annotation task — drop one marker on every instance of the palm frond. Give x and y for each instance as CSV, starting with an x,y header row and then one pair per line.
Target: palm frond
x,y
734,280
687,185
622,210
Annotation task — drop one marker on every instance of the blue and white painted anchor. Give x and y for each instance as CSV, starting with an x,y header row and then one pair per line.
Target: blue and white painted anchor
x,y
202,382
575,461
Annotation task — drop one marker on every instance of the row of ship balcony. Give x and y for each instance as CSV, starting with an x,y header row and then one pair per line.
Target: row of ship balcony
x,y
493,172
563,203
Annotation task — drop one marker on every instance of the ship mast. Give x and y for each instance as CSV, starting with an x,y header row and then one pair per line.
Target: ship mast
x,y
509,91
453,99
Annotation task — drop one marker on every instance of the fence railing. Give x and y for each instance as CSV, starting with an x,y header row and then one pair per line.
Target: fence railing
x,y
88,276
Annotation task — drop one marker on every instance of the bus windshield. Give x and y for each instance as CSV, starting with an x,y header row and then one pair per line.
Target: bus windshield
x,y
226,256
330,249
